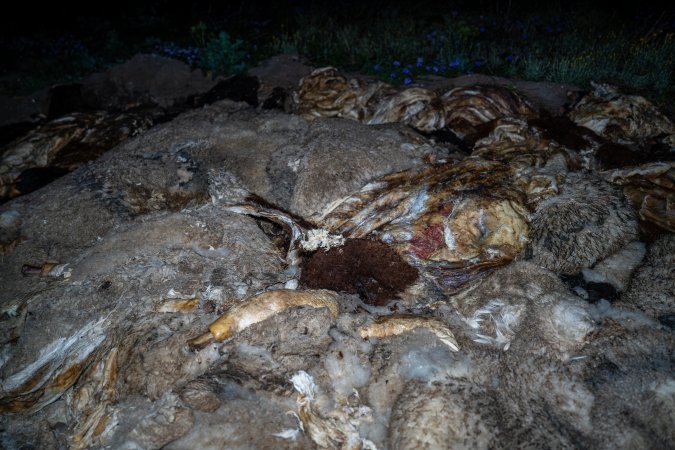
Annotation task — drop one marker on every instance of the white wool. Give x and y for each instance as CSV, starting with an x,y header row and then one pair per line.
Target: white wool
x,y
580,292
432,364
628,318
574,399
213,293
291,284
345,368
174,294
9,219
345,420
448,235
240,290
617,268
289,433
415,207
382,394
60,270
373,185
304,384
572,321
346,371
504,317
665,390
420,361
321,238
5,355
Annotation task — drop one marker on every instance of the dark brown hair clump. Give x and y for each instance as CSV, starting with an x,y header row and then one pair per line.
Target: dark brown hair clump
x,y
365,267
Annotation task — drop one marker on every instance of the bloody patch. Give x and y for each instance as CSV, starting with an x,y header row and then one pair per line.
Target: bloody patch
x,y
424,244
368,268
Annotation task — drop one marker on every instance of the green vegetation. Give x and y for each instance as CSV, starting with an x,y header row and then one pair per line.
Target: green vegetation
x,y
574,51
218,53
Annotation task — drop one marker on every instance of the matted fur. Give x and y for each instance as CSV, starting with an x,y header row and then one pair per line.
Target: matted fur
x,y
587,222
652,289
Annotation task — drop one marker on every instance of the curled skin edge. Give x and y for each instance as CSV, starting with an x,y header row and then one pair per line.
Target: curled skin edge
x,y
395,325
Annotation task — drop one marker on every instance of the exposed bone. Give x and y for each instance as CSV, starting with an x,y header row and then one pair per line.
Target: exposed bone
x,y
257,309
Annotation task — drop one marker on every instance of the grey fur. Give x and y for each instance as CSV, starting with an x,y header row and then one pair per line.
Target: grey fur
x,y
451,415
587,222
652,288
522,302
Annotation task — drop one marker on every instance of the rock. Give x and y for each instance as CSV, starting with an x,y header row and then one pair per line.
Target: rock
x,y
279,77
143,80
29,109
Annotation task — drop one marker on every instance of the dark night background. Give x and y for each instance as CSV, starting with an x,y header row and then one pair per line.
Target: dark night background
x,y
57,17
627,43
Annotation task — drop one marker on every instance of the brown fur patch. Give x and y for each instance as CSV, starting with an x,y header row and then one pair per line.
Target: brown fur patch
x,y
368,268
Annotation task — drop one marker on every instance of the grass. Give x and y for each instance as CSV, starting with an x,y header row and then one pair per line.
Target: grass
x,y
396,45
576,50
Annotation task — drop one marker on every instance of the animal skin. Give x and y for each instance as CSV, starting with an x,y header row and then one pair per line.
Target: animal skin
x,y
587,222
327,93
652,289
487,348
